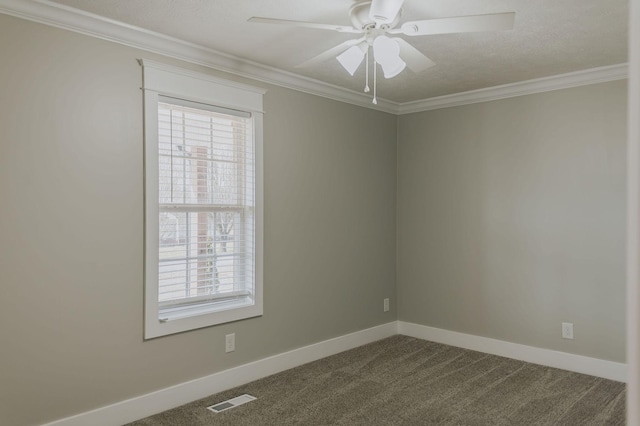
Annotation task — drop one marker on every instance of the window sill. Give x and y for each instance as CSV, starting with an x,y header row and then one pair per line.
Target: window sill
x,y
173,313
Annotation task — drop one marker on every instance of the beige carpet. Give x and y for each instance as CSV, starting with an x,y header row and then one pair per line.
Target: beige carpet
x,y
407,381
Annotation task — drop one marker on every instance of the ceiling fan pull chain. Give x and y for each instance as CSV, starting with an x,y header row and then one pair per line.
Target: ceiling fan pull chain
x,y
366,86
375,82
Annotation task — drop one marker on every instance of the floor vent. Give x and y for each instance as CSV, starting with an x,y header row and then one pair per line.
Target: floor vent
x,y
231,403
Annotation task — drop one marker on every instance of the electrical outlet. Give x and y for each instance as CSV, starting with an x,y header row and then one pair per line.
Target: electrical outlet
x,y
230,342
386,305
567,330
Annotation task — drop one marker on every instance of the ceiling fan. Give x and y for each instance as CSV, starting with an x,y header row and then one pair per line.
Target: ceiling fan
x,y
375,21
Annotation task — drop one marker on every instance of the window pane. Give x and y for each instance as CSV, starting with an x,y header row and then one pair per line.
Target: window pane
x,y
205,205
203,156
202,254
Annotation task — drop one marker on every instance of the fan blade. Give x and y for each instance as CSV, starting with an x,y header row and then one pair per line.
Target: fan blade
x,y
415,60
338,28
331,53
384,11
458,24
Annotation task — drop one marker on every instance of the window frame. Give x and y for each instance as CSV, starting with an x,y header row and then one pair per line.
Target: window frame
x,y
163,81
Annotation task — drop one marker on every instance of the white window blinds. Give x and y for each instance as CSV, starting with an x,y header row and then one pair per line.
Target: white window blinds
x,y
206,178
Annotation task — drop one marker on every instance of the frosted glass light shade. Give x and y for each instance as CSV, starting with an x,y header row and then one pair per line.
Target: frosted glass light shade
x,y
387,53
351,58
394,68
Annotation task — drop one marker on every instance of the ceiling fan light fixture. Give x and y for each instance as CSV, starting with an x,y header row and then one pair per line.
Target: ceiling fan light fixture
x,y
373,19
387,53
351,58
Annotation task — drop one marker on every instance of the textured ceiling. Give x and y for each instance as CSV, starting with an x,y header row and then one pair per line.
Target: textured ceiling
x,y
550,37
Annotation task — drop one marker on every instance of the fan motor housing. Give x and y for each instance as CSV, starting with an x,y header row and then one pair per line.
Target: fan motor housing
x,y
360,19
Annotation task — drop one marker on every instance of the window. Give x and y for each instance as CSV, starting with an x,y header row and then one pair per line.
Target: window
x,y
203,200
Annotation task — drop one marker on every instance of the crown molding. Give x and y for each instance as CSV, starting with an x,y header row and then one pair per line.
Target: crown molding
x,y
60,16
528,87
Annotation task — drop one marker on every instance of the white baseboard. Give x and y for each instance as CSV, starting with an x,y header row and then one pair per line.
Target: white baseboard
x,y
183,393
174,396
565,361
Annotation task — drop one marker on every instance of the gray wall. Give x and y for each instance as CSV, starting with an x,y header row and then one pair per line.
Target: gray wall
x,y
511,219
71,228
